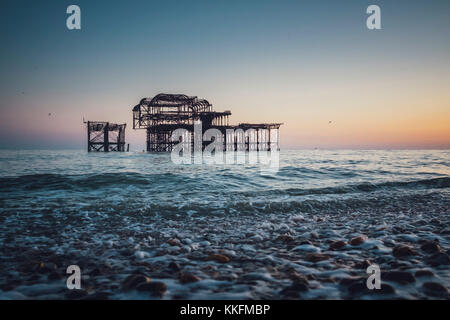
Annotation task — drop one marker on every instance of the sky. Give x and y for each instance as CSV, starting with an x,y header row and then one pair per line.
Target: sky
x,y
302,63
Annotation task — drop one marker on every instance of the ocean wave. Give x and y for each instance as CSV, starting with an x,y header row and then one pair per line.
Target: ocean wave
x,y
434,183
89,181
35,182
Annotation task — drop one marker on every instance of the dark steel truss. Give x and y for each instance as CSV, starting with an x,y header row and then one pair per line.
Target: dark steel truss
x,y
105,137
164,113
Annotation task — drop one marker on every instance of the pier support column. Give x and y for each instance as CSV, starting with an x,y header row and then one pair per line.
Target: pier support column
x,y
106,137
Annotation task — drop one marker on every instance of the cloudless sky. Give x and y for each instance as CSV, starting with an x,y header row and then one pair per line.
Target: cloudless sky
x,y
304,63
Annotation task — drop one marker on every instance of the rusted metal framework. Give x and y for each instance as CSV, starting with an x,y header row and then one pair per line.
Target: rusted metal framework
x,y
105,136
164,113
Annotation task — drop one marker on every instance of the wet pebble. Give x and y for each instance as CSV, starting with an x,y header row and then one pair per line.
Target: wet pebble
x,y
141,254
435,289
45,268
54,275
173,249
385,289
256,238
439,259
294,290
174,242
356,241
285,238
424,273
403,251
188,277
336,245
174,266
316,257
313,235
359,287
306,248
364,264
156,288
219,258
132,281
430,247
10,285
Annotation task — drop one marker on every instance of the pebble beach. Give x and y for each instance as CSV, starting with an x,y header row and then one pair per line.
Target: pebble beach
x,y
238,239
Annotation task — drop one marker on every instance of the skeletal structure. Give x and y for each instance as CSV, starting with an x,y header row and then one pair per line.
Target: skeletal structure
x,y
105,136
164,113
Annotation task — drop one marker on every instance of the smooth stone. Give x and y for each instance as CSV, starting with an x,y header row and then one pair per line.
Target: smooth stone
x,y
430,247
174,266
403,251
132,281
361,288
385,289
188,278
219,258
173,249
316,257
174,242
356,241
306,248
313,235
45,268
54,276
298,278
438,259
293,290
350,281
257,238
435,289
10,285
362,264
141,254
336,245
424,273
156,288
285,238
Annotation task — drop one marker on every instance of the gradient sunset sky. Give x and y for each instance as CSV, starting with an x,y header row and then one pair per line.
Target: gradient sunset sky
x,y
304,63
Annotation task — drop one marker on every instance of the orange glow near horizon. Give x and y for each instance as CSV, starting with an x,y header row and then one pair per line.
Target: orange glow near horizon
x,y
321,72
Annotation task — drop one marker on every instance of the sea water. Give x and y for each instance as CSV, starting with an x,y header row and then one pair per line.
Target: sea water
x,y
114,213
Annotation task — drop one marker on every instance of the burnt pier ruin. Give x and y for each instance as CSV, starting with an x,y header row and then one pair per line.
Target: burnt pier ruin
x,y
164,113
105,136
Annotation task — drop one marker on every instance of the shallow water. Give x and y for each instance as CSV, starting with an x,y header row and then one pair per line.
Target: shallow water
x,y
113,214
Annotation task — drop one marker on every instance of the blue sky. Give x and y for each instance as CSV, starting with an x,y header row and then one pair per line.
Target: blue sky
x,y
301,63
